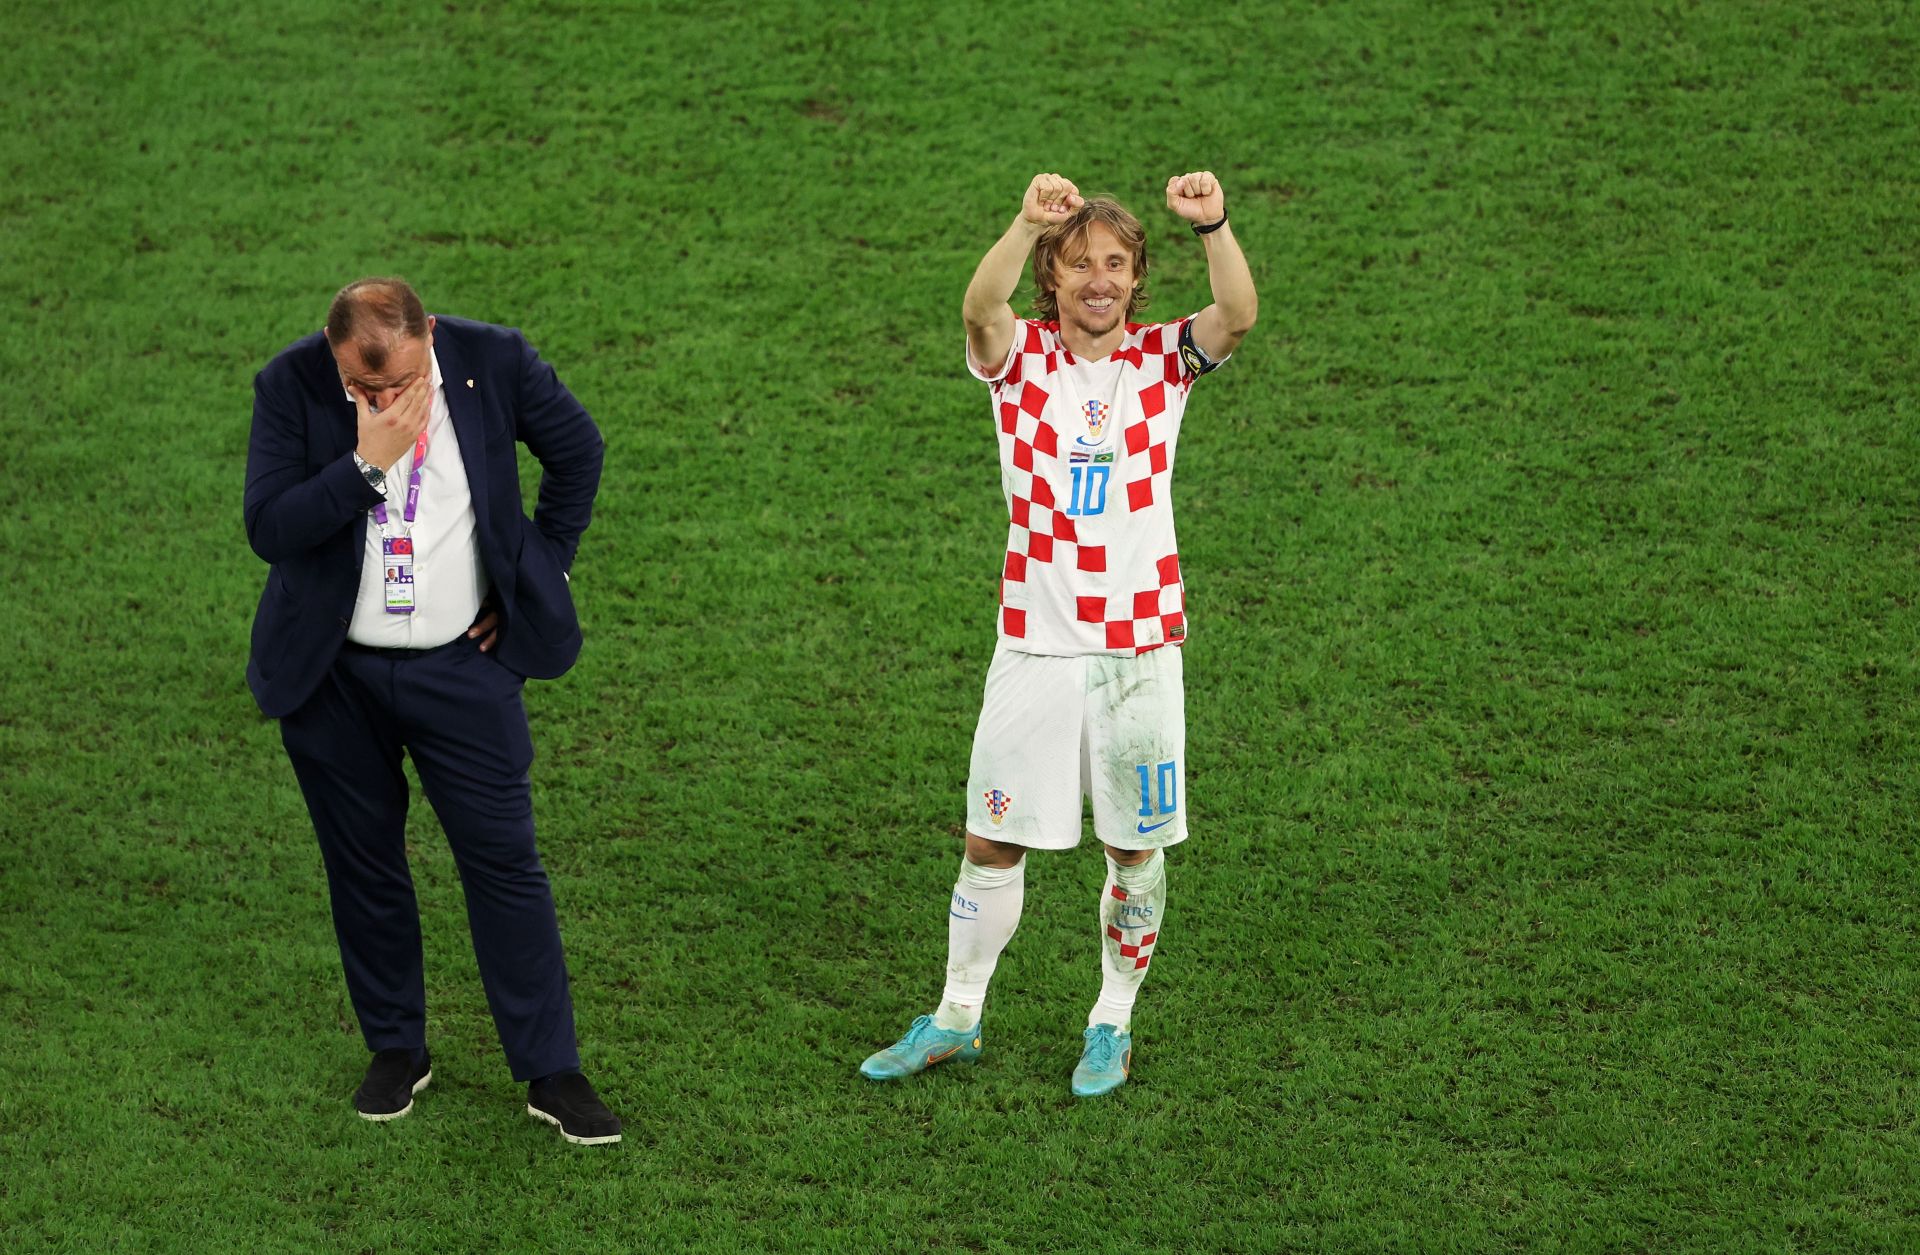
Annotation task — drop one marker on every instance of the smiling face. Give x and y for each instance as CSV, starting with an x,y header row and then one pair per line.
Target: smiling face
x,y
1090,272
1093,283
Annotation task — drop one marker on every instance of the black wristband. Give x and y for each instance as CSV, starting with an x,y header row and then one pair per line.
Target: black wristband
x,y
1211,227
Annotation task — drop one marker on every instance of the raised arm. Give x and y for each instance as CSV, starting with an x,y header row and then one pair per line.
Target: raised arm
x,y
1219,328
988,315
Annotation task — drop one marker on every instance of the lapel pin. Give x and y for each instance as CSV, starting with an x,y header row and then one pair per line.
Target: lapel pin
x,y
469,383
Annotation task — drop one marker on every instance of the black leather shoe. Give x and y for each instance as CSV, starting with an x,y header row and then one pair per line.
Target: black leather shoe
x,y
393,1078
568,1103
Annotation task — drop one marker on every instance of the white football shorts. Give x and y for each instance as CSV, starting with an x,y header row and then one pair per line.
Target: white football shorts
x,y
1054,731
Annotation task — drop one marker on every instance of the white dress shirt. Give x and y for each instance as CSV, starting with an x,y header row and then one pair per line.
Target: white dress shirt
x,y
449,579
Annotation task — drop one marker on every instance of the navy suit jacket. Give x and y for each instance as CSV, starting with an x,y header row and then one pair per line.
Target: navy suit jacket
x,y
307,503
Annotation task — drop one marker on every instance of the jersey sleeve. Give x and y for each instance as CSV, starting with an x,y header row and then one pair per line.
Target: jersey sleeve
x,y
999,374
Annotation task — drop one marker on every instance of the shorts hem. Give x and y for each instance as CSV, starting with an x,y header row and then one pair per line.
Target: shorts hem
x,y
1132,841
1025,843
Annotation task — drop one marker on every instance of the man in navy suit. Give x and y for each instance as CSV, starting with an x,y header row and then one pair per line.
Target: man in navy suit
x,y
408,600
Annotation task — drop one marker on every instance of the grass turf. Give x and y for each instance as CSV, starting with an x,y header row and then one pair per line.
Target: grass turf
x,y
1551,557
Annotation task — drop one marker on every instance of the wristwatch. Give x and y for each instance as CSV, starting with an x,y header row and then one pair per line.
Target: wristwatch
x,y
375,477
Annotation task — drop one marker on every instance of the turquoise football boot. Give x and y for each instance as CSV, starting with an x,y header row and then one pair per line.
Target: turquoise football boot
x,y
922,1047
1104,1063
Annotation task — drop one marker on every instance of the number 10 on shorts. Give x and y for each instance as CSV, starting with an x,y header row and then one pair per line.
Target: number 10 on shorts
x,y
1161,778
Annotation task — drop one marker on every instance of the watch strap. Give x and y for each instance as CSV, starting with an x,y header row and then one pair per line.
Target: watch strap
x,y
375,477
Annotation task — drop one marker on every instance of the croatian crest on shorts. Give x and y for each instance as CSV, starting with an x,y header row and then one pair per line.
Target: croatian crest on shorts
x,y
1097,413
998,804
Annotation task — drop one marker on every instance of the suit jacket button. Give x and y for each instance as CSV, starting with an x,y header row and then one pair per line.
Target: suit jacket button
x,y
343,623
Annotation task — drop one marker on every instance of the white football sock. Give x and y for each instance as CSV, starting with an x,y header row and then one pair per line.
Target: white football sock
x,y
981,917
1132,906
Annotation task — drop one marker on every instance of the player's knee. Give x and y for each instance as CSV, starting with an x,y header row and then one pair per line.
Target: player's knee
x,y
1128,858
984,853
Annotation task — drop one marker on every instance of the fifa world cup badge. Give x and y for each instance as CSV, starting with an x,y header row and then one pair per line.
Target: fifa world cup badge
x,y
1097,414
998,803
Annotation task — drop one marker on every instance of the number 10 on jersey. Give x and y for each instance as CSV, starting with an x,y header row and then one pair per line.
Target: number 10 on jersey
x,y
1089,492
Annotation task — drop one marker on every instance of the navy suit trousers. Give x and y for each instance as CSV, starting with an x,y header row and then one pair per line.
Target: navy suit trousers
x,y
458,712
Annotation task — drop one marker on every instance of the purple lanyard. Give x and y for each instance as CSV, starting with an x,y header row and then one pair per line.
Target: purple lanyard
x,y
413,485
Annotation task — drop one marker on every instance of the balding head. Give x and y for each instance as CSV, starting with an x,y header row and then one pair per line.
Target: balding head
x,y
381,338
375,316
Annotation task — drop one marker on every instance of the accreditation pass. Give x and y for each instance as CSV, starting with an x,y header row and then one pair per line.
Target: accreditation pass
x,y
396,554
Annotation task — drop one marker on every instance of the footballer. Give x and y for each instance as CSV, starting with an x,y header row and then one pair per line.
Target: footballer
x,y
1084,696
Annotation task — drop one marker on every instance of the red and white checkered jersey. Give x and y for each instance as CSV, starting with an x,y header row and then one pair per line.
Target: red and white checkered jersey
x,y
1086,464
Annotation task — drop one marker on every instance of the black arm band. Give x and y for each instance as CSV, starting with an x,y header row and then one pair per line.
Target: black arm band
x,y
1211,227
1192,356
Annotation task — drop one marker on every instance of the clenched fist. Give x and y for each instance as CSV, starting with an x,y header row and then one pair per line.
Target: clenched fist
x,y
1196,197
1050,199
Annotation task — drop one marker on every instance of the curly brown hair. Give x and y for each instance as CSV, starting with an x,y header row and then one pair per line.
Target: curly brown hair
x,y
1067,241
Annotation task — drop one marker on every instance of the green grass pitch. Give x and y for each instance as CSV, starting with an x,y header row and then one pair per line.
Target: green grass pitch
x,y
1551,548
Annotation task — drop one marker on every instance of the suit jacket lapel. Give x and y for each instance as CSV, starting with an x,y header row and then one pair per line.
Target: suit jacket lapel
x,y
466,409
344,426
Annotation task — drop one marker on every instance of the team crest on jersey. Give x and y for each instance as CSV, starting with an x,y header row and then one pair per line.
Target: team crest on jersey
x,y
998,804
1097,413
